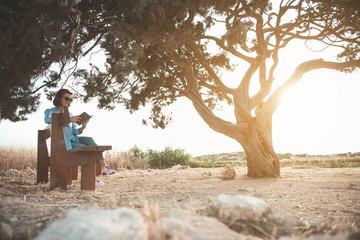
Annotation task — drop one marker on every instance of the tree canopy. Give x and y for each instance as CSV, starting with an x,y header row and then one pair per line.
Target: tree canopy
x,y
160,50
149,43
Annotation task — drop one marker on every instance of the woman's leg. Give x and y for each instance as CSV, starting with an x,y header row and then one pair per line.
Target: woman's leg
x,y
89,141
77,144
86,142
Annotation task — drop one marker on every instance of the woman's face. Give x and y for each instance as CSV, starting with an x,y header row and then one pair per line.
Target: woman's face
x,y
66,100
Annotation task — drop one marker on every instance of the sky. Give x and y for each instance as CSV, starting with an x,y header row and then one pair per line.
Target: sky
x,y
320,115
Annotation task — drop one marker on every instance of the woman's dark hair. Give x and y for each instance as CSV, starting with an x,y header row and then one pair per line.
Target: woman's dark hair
x,y
59,95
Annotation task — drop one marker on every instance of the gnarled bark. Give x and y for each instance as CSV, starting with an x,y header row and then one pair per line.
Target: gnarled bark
x,y
261,158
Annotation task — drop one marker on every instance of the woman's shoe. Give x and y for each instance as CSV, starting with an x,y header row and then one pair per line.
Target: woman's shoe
x,y
98,183
107,170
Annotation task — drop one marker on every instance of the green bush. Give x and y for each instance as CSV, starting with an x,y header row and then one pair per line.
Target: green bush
x,y
167,158
137,154
207,161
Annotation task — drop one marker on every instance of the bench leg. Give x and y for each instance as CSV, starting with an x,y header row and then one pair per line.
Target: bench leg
x,y
98,168
43,160
88,176
68,175
75,172
42,170
58,174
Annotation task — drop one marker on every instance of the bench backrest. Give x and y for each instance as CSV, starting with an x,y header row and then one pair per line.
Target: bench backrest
x,y
55,132
58,144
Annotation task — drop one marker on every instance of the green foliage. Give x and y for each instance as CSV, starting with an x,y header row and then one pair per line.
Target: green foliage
x,y
167,158
328,163
137,158
204,161
21,47
341,19
211,161
137,153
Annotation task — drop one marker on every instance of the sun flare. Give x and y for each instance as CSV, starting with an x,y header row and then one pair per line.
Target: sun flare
x,y
308,113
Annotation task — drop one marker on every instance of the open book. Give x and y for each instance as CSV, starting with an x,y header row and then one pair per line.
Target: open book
x,y
84,117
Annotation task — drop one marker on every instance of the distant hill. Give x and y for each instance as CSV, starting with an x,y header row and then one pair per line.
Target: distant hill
x,y
240,156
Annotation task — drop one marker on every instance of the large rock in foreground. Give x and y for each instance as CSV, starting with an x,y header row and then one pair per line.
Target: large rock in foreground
x,y
222,217
121,223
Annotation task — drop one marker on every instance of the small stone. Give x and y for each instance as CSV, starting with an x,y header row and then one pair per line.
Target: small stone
x,y
29,171
229,173
10,173
250,189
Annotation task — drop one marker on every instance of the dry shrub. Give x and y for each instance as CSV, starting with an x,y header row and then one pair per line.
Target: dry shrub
x,y
151,214
17,157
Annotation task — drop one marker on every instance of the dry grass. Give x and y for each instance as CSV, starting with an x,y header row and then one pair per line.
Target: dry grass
x,y
125,160
17,157
20,157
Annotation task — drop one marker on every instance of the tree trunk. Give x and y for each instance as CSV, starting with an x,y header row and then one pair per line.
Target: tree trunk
x,y
262,161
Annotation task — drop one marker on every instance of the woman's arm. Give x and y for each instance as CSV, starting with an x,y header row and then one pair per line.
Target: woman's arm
x,y
48,113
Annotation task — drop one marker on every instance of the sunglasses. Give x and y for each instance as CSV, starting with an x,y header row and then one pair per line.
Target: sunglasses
x,y
68,99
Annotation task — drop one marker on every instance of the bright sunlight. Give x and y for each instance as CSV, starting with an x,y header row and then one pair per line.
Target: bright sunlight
x,y
308,113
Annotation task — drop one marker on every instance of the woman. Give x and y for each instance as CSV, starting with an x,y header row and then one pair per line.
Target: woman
x,y
62,100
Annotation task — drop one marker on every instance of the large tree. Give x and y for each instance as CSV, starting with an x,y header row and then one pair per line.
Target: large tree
x,y
160,50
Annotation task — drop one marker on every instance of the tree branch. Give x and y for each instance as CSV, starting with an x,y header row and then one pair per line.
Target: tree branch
x,y
236,131
94,45
229,49
274,100
242,98
210,70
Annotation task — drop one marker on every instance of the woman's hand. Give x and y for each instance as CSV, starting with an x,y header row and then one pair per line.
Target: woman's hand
x,y
80,130
84,124
75,119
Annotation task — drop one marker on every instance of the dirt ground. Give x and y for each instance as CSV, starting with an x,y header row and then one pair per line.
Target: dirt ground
x,y
327,200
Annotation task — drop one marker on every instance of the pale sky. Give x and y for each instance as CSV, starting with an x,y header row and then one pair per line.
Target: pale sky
x,y
320,115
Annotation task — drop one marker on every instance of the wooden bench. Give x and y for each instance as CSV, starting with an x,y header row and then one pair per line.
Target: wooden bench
x,y
64,163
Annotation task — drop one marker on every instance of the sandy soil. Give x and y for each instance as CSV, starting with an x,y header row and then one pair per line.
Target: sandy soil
x,y
325,199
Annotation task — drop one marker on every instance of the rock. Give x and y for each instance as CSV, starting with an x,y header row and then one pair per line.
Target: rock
x,y
229,173
29,171
12,173
250,215
181,225
121,223
176,167
6,232
16,173
339,236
